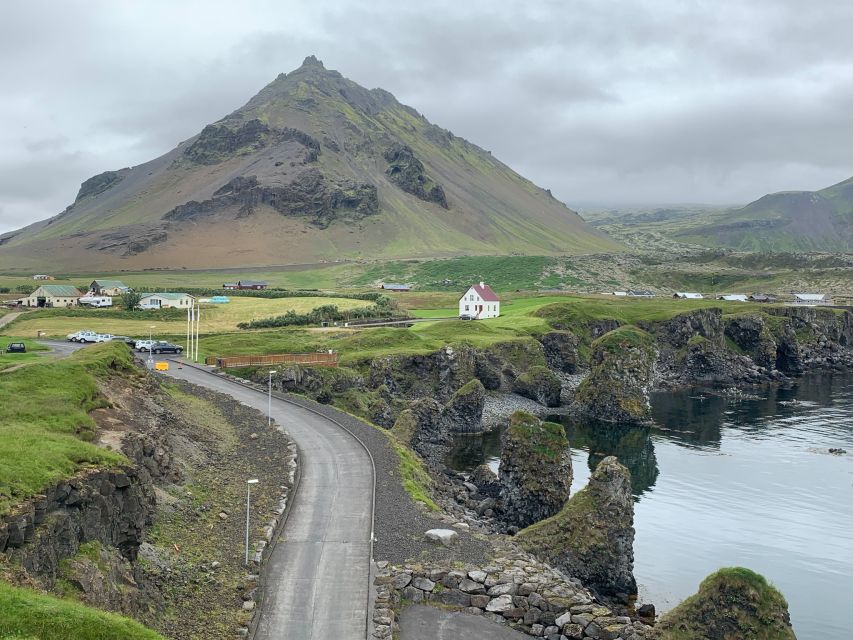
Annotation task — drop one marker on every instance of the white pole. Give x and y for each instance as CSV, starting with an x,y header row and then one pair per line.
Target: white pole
x,y
197,329
269,403
187,349
249,484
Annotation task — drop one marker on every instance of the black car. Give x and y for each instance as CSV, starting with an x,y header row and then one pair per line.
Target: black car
x,y
16,347
166,347
126,339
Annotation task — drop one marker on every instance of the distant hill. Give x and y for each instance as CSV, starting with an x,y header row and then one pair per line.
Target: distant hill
x,y
313,168
786,221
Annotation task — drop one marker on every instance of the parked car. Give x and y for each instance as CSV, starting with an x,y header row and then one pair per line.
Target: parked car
x,y
16,347
143,345
89,337
166,347
466,316
131,342
78,336
103,337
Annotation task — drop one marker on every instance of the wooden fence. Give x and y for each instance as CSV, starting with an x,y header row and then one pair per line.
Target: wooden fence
x,y
309,359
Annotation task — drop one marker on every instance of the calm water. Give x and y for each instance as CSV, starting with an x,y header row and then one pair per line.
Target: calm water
x,y
722,482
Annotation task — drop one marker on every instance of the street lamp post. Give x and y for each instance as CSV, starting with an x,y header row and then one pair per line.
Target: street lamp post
x,y
269,399
151,346
249,484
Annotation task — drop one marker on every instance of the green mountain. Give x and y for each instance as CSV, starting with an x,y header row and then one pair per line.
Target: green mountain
x,y
786,221
313,168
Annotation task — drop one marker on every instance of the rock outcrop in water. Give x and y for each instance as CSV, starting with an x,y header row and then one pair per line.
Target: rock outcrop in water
x,y
592,538
540,384
621,376
535,472
464,411
731,604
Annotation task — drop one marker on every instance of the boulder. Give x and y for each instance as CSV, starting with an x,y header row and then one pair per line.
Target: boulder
x,y
536,470
464,412
445,537
486,481
621,375
731,603
592,537
540,384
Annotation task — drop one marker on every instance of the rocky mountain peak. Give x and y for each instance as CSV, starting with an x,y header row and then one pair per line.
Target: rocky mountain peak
x,y
312,62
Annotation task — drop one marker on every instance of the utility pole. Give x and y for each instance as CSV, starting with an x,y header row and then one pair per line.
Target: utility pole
x,y
269,399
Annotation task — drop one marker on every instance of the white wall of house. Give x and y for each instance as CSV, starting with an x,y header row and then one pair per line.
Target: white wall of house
x,y
472,304
154,300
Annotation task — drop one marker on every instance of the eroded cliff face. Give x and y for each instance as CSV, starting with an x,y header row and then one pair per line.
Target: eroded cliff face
x,y
592,537
535,472
622,371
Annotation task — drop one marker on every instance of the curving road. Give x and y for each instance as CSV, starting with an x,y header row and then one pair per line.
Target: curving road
x,y
317,578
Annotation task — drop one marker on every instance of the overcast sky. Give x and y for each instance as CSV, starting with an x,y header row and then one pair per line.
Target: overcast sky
x,y
635,102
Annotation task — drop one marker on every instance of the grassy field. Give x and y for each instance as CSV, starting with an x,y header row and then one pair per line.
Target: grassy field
x,y
27,615
8,360
214,318
44,421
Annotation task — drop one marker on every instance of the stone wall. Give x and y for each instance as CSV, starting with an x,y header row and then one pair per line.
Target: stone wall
x,y
515,589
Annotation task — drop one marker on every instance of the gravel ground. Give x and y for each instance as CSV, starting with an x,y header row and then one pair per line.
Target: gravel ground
x,y
399,523
499,406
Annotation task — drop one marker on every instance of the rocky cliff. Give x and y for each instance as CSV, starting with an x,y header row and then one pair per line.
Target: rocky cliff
x,y
535,472
592,537
731,604
622,368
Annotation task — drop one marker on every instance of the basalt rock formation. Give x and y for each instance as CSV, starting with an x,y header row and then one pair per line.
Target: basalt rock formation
x,y
535,472
464,412
731,604
621,376
592,537
540,384
561,350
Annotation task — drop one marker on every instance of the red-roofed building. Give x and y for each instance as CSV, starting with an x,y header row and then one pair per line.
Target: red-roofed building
x,y
480,302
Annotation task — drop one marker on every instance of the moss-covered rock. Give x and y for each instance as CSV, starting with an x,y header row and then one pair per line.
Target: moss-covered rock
x,y
536,470
421,426
464,412
732,604
540,384
621,371
592,537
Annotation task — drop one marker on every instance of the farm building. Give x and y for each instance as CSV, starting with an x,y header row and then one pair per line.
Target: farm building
x,y
53,295
107,288
733,297
390,286
762,297
641,293
480,302
166,301
686,295
254,285
42,276
812,299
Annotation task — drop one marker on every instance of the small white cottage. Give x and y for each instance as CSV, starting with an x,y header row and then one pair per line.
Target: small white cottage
x,y
480,302
165,301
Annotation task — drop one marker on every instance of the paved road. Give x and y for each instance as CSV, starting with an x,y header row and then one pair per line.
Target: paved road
x,y
419,622
317,579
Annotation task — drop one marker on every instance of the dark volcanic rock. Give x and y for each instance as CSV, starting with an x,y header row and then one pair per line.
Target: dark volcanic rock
x,y
421,426
592,537
750,333
731,604
621,373
407,172
438,374
100,183
464,412
310,194
540,384
561,350
535,472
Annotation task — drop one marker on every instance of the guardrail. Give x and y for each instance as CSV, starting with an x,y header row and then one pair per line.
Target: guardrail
x,y
308,359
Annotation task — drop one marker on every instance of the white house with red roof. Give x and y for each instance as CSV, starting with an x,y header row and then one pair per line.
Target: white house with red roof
x,y
480,302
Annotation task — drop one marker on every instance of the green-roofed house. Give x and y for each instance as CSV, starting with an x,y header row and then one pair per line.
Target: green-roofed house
x,y
165,301
53,295
107,288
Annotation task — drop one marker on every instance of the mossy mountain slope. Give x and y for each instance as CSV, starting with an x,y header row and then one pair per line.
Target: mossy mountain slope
x,y
785,221
314,167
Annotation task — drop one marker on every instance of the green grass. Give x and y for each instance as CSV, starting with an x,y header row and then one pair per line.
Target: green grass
x,y
26,614
416,480
45,429
8,360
